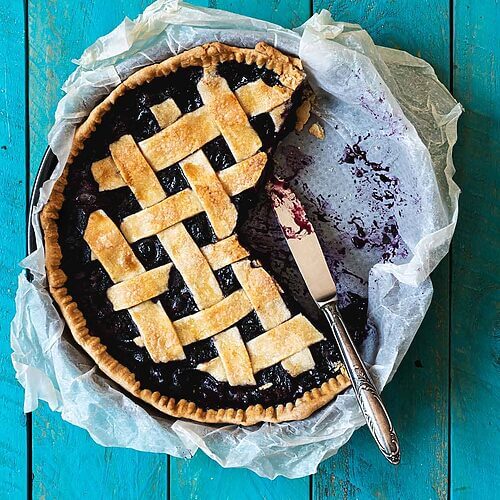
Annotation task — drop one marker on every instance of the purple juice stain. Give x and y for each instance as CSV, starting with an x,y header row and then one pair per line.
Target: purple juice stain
x,y
354,310
378,185
356,153
386,239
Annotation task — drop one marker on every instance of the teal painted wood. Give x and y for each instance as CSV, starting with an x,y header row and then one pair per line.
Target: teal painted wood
x,y
475,347
201,477
287,13
66,462
417,399
13,472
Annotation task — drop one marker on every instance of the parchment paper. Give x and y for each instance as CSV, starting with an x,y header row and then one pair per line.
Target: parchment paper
x,y
378,189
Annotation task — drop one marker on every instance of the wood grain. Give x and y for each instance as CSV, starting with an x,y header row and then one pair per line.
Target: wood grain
x,y
66,462
417,399
202,478
475,347
286,13
13,472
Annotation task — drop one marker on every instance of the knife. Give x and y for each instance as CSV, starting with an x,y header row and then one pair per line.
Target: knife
x,y
306,250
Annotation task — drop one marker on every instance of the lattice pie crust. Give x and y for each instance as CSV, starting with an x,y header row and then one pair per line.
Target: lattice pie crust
x,y
287,338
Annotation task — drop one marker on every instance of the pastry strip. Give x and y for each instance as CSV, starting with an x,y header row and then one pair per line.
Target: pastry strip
x,y
192,265
185,136
243,175
215,368
258,97
299,363
229,116
219,208
235,179
136,171
224,252
140,288
278,116
282,342
106,174
168,212
263,293
234,357
110,248
215,319
157,332
166,112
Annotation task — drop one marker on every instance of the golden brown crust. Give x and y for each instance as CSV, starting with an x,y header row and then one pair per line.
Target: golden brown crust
x,y
224,252
136,172
158,334
216,203
243,175
190,262
263,293
289,70
229,116
234,357
166,112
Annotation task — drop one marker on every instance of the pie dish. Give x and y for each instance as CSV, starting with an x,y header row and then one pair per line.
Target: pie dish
x,y
143,255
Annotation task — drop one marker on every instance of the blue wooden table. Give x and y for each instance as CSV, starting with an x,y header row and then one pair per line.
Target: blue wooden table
x,y
445,397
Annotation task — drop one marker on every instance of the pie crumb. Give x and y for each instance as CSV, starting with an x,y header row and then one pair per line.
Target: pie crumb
x,y
317,130
303,113
138,341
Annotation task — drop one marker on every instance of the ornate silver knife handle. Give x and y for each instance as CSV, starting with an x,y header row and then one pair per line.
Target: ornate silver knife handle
x,y
367,395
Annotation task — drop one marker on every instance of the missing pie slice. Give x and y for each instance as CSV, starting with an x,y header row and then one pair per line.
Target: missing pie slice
x,y
142,251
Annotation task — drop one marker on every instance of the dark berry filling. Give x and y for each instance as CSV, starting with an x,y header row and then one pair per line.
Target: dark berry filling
x,y
200,229
150,252
218,153
172,179
237,74
227,280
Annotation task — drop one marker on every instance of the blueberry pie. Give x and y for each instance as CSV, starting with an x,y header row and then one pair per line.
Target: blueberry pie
x,y
143,254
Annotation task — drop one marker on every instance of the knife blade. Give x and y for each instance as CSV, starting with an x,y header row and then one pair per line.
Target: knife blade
x,y
306,250
302,241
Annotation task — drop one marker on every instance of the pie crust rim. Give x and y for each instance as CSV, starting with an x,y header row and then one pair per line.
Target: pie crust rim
x,y
285,67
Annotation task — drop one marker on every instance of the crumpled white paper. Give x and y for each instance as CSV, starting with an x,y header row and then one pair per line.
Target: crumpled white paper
x,y
387,104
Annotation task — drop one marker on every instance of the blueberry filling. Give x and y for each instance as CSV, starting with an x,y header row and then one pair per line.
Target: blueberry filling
x,y
250,327
177,300
150,252
237,74
88,281
200,229
227,280
172,179
218,153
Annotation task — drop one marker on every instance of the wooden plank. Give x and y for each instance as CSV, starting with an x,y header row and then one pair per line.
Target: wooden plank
x,y
286,13
417,399
13,445
66,462
201,477
475,348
